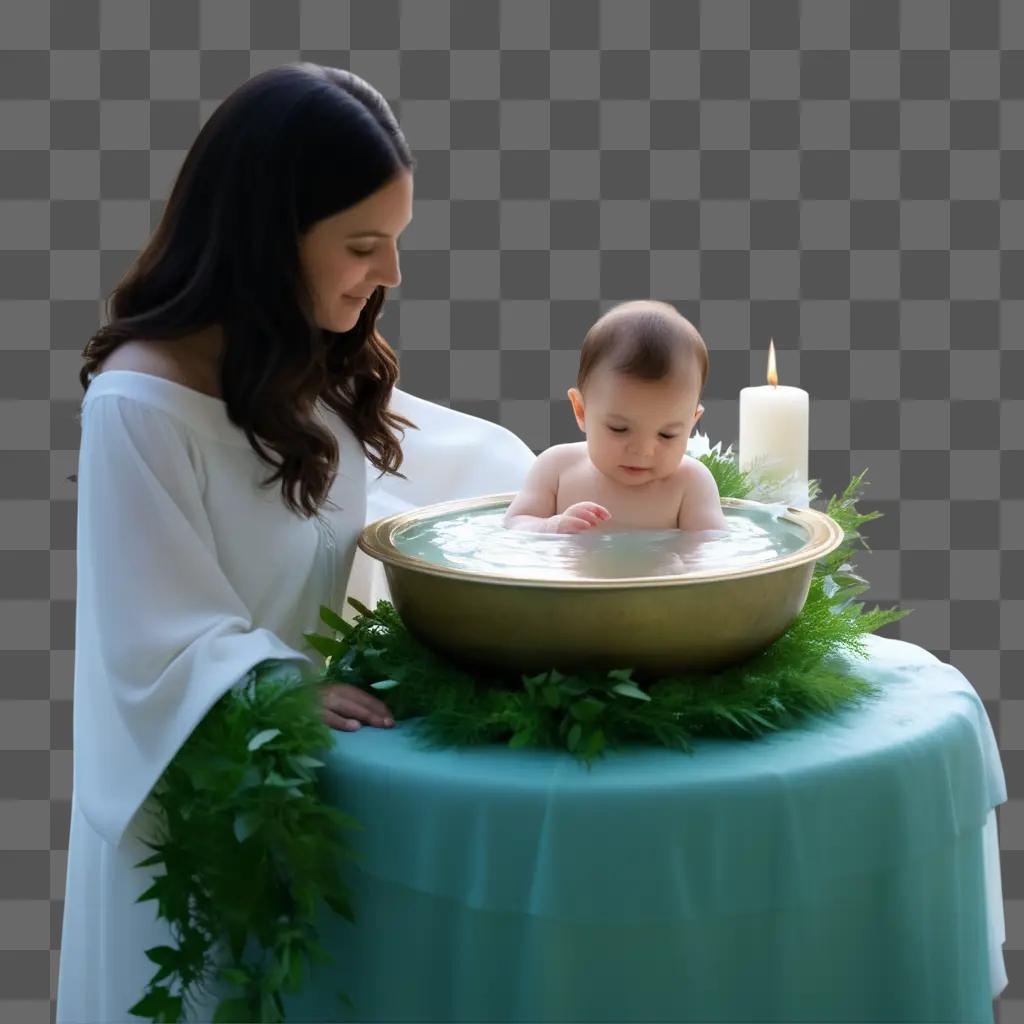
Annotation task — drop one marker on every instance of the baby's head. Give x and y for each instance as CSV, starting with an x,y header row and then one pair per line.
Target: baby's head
x,y
642,369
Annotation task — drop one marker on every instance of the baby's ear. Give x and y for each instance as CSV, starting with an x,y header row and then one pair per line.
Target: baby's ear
x,y
576,398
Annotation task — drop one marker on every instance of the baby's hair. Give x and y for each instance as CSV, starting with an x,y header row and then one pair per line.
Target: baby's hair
x,y
646,340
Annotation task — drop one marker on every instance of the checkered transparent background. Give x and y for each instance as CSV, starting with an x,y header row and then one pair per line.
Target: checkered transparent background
x,y
846,178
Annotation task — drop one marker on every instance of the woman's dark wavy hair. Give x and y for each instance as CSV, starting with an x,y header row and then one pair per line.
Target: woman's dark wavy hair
x,y
289,147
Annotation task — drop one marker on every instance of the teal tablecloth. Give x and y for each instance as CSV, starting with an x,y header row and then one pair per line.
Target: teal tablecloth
x,y
845,871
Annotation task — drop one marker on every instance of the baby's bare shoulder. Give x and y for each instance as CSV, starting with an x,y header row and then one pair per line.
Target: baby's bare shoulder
x,y
694,467
695,477
549,467
701,505
565,456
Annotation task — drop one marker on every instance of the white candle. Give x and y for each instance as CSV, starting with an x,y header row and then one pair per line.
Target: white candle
x,y
774,439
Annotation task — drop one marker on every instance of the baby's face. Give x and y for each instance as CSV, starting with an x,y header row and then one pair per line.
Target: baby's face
x,y
634,423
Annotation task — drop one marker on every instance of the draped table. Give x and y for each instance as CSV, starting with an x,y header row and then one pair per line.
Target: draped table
x,y
846,870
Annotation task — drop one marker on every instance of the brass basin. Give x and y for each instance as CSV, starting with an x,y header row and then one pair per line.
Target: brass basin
x,y
656,624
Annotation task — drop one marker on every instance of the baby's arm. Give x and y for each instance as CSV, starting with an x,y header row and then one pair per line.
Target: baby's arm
x,y
701,507
533,508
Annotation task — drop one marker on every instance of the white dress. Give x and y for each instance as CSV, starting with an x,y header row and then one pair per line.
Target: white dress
x,y
189,574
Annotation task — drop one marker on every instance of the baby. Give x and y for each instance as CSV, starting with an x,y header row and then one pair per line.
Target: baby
x,y
637,398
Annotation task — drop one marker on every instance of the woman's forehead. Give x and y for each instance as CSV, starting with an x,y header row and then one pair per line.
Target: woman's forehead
x,y
382,214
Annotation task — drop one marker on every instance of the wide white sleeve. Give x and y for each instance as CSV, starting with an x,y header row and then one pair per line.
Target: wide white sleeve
x,y
452,455
160,633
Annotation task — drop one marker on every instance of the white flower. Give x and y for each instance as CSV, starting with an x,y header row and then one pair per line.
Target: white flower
x,y
698,445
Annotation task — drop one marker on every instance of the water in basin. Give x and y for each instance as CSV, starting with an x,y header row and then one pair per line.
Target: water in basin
x,y
476,541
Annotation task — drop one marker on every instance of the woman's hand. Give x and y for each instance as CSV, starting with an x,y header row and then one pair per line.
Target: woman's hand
x,y
581,516
346,707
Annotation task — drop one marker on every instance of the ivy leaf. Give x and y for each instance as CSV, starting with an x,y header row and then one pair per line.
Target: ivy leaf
x,y
277,780
164,972
268,1006
250,779
325,645
593,745
574,736
278,975
162,955
574,688
335,621
342,907
306,761
630,690
587,710
153,1003
246,823
235,975
294,974
155,891
263,737
361,608
522,738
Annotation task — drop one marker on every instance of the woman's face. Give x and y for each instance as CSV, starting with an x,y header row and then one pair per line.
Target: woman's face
x,y
344,257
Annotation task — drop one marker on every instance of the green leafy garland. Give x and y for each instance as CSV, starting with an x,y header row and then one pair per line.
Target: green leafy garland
x,y
587,711
250,848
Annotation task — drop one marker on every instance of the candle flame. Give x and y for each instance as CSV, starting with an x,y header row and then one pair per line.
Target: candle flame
x,y
773,375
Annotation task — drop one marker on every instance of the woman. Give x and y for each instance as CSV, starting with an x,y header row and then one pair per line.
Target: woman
x,y
234,407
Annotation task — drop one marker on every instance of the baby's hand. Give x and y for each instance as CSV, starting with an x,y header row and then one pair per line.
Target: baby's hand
x,y
579,517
